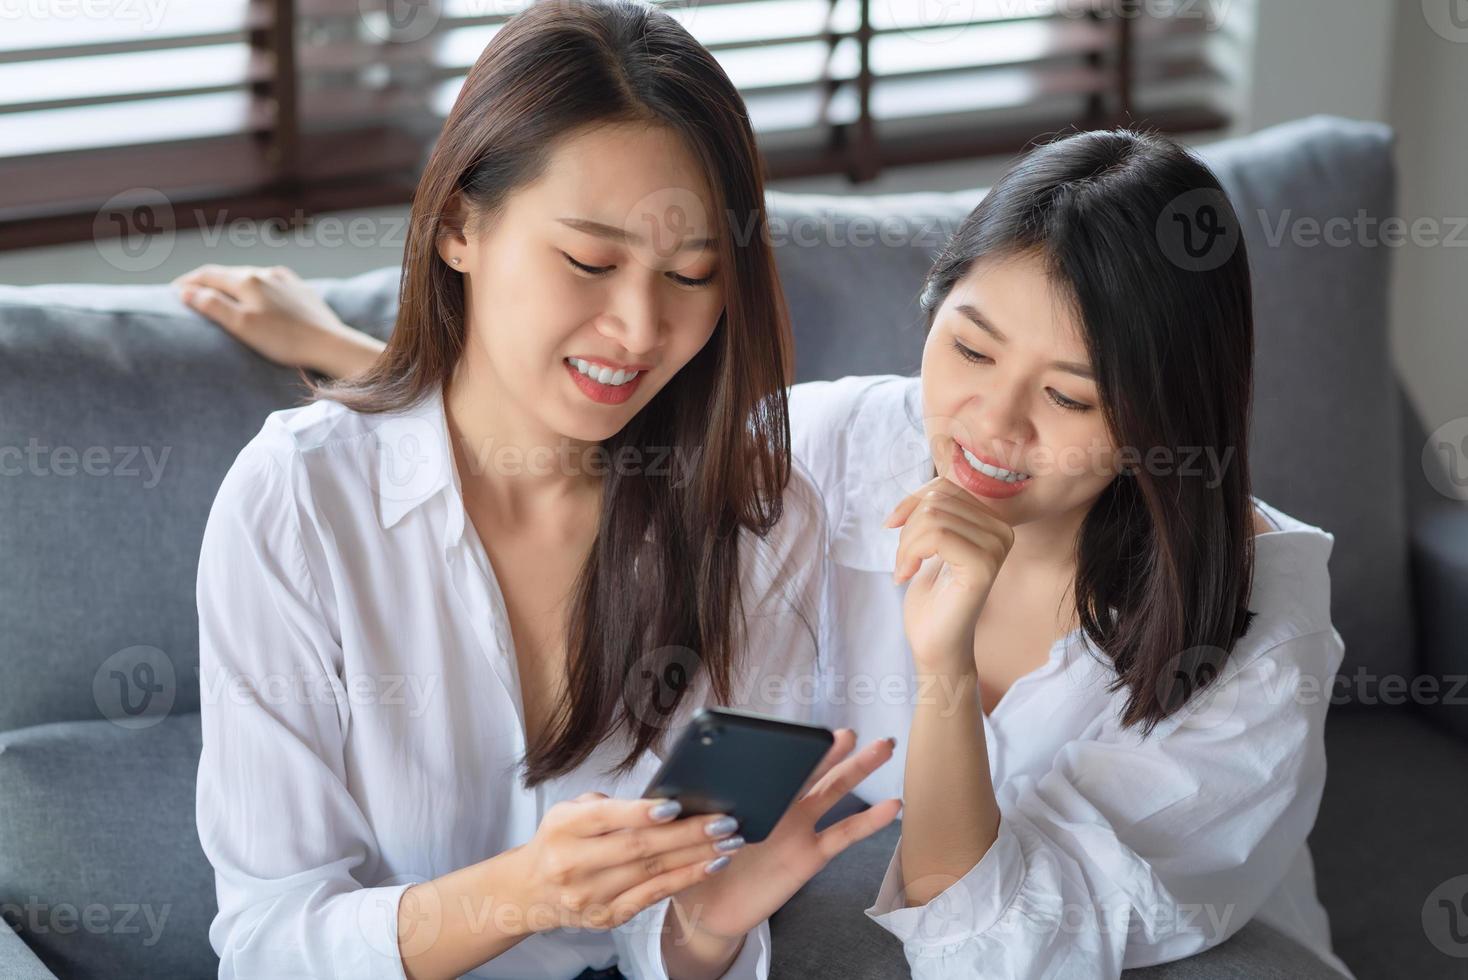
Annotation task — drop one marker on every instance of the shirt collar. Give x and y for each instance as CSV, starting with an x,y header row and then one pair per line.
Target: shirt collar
x,y
415,462
889,458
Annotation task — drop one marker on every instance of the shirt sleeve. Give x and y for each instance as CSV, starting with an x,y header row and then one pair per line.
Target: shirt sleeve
x,y
1132,852
639,944
288,843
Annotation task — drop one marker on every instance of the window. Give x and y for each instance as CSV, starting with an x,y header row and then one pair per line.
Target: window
x,y
172,113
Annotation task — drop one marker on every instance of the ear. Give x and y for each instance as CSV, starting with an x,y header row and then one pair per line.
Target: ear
x,y
453,240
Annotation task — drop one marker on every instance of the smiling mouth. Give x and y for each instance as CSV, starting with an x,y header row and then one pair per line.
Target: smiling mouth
x,y
997,472
603,375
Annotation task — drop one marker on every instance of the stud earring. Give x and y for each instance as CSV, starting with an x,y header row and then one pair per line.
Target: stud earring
x,y
456,260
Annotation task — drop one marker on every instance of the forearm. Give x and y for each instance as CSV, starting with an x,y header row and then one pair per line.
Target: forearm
x,y
343,351
691,953
452,924
950,815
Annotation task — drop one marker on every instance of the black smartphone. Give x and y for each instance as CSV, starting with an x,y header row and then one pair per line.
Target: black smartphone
x,y
747,765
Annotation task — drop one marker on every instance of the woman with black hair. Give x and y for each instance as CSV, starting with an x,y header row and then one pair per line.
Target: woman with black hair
x,y
1116,656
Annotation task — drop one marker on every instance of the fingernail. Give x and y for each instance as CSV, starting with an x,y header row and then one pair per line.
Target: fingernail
x,y
665,811
730,844
721,826
892,741
717,864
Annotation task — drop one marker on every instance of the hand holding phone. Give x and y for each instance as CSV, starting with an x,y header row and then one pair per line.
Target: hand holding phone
x,y
747,765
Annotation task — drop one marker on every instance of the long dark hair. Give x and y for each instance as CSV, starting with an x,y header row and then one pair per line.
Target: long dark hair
x,y
555,67
1142,238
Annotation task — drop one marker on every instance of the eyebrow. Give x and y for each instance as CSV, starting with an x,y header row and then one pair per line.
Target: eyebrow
x,y
621,236
978,320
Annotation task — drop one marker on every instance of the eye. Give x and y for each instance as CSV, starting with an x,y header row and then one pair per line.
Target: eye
x,y
588,269
968,354
685,281
1056,398
1066,403
593,270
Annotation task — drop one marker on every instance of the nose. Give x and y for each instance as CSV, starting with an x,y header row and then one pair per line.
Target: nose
x,y
1000,421
635,321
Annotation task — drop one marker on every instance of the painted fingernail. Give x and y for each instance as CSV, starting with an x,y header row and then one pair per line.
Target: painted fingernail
x,y
665,811
892,741
721,826
729,844
717,864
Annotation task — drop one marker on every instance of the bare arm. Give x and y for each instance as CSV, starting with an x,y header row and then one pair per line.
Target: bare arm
x,y
272,311
952,814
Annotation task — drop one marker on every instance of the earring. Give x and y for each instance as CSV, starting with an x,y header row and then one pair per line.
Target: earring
x,y
456,260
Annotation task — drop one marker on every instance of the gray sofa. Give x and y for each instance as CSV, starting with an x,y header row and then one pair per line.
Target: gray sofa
x,y
122,412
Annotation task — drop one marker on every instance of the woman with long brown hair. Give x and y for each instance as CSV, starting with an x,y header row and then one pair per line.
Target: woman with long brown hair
x,y
450,609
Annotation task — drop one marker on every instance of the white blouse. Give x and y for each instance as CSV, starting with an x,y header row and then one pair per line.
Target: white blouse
x,y
361,705
1113,852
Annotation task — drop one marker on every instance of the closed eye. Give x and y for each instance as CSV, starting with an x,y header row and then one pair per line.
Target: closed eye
x,y
592,270
1056,398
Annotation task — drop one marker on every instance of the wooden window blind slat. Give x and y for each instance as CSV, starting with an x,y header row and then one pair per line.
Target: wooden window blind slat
x,y
299,104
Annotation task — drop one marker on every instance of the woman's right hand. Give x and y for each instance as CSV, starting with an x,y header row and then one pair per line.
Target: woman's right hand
x,y
272,311
595,862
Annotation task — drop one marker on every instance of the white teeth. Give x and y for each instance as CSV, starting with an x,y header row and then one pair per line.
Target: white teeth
x,y
604,375
1008,476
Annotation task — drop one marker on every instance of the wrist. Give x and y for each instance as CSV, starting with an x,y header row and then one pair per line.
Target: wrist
x,y
953,661
341,351
689,950
501,879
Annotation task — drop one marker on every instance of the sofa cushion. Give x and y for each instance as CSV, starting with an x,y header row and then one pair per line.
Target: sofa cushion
x,y
101,871
850,945
1389,844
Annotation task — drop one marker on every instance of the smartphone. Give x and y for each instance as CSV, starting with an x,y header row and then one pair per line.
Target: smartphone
x,y
747,765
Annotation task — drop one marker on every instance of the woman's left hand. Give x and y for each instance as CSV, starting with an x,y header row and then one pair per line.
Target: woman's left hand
x,y
762,877
951,550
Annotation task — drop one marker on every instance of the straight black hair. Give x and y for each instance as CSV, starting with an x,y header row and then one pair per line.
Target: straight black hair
x,y
1146,246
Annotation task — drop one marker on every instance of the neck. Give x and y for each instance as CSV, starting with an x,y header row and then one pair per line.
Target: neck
x,y
507,461
1041,565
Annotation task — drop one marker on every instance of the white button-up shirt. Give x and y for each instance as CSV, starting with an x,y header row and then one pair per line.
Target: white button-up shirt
x,y
1113,852
361,705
